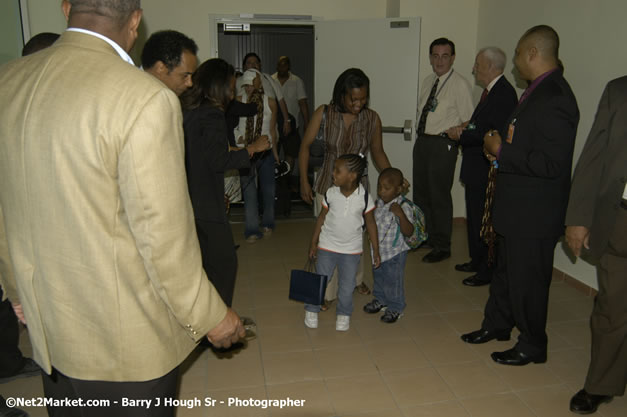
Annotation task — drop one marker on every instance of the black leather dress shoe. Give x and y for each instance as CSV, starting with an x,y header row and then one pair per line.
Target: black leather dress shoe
x,y
483,336
515,358
467,267
475,281
436,255
585,403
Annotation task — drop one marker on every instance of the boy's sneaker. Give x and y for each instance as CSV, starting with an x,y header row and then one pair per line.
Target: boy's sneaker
x,y
311,319
391,316
374,307
342,323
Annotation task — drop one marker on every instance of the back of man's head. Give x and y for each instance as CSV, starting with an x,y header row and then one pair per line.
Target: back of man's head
x,y
118,11
166,46
39,42
545,39
496,56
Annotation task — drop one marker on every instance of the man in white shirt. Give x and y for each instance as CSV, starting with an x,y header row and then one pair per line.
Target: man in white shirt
x,y
445,101
293,89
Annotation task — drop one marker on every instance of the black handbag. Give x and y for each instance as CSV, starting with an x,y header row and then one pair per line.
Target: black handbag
x,y
318,146
307,286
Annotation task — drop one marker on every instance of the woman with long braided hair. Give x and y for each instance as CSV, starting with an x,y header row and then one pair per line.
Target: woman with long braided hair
x,y
260,176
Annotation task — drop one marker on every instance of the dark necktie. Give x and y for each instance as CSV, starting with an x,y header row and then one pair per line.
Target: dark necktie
x,y
483,95
422,123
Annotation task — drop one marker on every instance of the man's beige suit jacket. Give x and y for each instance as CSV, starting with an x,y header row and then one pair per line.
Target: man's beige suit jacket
x,y
99,224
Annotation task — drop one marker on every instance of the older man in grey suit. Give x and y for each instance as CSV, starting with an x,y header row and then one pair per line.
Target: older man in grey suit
x,y
597,224
99,225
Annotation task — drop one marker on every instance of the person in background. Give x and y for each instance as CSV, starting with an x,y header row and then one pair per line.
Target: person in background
x,y
170,56
498,100
596,222
534,151
445,101
207,156
260,176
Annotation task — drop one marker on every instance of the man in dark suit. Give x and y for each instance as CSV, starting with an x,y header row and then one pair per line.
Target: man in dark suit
x,y
597,221
497,103
531,194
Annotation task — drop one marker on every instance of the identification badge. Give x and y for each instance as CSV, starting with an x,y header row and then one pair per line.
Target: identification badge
x,y
434,104
510,133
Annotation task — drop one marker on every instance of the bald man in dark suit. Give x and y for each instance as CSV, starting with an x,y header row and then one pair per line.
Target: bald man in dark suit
x,y
534,154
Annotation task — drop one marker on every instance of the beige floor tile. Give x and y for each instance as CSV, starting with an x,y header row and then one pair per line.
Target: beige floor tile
x,y
524,377
548,401
30,387
570,309
399,355
238,402
617,408
286,367
498,405
451,301
418,304
570,366
419,386
284,338
576,333
442,409
427,328
372,328
317,401
448,350
325,336
271,316
359,394
242,369
472,379
344,361
379,413
464,321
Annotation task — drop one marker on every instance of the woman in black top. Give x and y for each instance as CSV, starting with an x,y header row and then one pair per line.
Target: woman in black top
x,y
207,156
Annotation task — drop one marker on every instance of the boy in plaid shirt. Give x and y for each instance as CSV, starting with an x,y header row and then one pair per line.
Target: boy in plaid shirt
x,y
394,222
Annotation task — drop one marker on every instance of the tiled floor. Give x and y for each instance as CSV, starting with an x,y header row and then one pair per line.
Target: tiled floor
x,y
415,367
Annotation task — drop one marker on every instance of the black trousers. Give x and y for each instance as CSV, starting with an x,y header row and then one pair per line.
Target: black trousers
x,y
477,248
219,259
607,373
433,172
519,292
11,359
60,387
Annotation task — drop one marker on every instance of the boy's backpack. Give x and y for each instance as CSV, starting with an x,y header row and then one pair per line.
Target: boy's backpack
x,y
420,234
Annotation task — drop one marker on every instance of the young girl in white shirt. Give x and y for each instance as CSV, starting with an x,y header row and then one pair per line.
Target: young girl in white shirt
x,y
337,238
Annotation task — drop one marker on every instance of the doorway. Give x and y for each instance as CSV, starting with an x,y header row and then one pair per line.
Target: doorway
x,y
269,42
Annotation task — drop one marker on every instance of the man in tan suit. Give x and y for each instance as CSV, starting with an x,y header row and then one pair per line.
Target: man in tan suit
x,y
100,230
596,224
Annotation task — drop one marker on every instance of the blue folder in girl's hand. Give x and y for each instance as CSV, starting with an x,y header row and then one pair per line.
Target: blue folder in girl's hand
x,y
307,286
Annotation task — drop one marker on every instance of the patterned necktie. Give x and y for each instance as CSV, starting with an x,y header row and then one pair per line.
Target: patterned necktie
x,y
483,95
422,123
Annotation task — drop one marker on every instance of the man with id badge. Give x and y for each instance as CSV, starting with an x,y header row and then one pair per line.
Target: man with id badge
x,y
530,197
445,101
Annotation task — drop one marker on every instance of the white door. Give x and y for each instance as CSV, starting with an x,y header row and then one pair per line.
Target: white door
x,y
387,50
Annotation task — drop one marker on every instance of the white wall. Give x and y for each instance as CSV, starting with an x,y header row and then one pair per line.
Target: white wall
x,y
592,37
